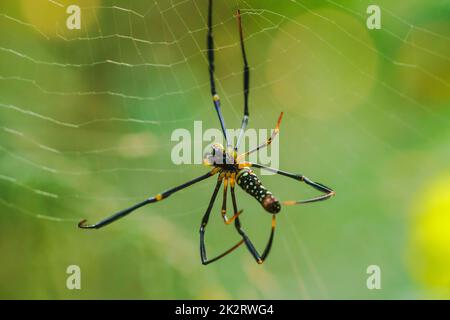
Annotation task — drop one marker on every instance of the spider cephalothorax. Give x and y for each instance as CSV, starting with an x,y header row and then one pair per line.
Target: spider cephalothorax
x,y
231,169
227,162
220,157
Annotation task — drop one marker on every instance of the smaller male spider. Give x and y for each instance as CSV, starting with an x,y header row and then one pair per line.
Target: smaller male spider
x,y
231,169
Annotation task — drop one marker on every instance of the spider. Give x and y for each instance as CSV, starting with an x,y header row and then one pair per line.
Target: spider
x,y
231,169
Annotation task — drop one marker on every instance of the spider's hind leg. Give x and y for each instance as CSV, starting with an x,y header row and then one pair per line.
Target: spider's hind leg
x,y
327,192
205,219
260,258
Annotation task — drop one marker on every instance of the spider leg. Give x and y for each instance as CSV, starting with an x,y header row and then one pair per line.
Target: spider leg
x,y
266,143
205,219
153,199
224,203
259,258
215,96
328,192
246,83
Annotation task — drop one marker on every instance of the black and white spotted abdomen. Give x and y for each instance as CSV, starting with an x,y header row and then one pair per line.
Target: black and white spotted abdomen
x,y
251,184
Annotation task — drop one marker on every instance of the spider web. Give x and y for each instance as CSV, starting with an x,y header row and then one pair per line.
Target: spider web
x,y
87,115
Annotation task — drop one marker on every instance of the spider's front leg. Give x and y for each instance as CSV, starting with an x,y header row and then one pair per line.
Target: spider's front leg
x,y
266,143
211,68
246,83
82,224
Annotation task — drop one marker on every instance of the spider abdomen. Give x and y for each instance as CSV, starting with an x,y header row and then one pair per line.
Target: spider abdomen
x,y
251,184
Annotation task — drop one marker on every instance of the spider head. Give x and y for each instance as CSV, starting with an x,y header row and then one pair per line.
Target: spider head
x,y
218,156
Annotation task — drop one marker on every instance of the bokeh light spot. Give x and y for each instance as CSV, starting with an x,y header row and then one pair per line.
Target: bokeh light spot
x,y
138,145
430,237
425,70
329,61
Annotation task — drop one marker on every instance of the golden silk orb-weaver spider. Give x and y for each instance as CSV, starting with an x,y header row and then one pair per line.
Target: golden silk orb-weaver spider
x,y
231,169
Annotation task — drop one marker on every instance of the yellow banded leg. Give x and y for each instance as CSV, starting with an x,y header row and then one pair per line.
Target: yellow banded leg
x,y
225,218
266,143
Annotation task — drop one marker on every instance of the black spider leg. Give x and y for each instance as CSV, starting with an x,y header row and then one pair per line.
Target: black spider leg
x,y
328,192
259,258
205,219
215,96
246,83
156,198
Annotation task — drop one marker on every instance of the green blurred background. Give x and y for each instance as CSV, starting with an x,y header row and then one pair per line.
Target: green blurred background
x,y
85,127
